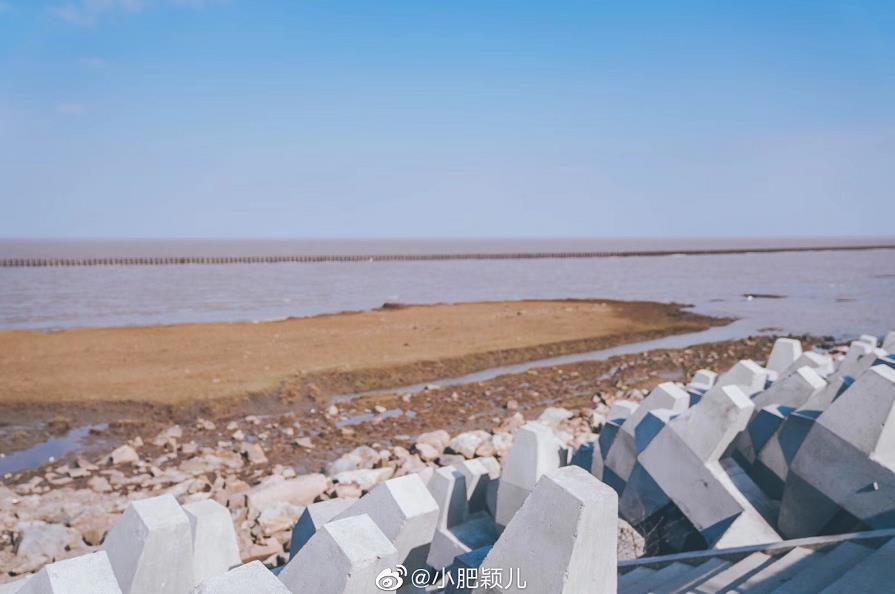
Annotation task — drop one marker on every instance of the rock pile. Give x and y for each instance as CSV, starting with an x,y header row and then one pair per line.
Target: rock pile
x,y
800,446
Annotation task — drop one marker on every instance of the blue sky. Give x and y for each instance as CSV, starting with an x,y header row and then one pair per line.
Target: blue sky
x,y
453,118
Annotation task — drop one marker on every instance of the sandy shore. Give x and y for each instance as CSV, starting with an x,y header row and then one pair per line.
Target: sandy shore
x,y
197,368
200,459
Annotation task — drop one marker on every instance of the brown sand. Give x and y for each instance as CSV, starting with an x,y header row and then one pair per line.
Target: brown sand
x,y
390,346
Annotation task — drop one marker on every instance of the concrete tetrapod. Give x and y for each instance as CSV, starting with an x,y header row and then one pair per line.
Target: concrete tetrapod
x,y
405,512
561,541
215,548
252,577
344,557
87,573
683,461
535,452
622,455
151,548
847,462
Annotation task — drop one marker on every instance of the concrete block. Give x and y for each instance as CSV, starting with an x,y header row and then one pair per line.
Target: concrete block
x,y
536,451
574,552
343,557
87,573
475,532
448,488
477,476
709,427
683,462
848,363
622,454
857,433
621,410
792,390
405,512
315,516
252,577
783,354
596,462
889,341
869,339
748,375
13,587
215,548
703,380
821,363
654,421
151,548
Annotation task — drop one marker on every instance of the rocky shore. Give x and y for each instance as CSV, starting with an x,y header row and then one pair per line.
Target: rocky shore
x,y
266,469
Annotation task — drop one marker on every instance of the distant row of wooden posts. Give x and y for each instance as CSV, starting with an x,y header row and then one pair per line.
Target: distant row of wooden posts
x,y
216,260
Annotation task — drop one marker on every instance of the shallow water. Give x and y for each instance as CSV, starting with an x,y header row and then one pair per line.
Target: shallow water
x,y
829,293
48,451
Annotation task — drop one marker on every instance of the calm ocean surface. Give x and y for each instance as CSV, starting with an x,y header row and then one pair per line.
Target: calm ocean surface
x,y
836,293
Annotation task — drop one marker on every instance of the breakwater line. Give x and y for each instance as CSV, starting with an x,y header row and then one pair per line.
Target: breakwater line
x,y
317,259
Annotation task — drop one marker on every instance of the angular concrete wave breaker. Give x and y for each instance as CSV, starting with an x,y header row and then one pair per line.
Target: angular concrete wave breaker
x,y
536,451
623,454
563,539
252,577
457,532
847,461
711,425
703,380
343,557
856,350
315,516
822,363
889,341
87,573
405,512
215,548
784,354
793,390
151,548
682,461
748,375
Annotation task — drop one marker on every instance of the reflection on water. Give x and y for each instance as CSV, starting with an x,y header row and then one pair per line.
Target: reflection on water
x,y
48,451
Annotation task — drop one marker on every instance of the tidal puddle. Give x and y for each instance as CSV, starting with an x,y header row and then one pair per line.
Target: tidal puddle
x,y
51,450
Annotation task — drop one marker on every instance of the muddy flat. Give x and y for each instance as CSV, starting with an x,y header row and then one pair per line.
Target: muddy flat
x,y
386,347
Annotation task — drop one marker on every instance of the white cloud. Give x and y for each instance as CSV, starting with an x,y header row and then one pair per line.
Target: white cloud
x,y
71,109
87,13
